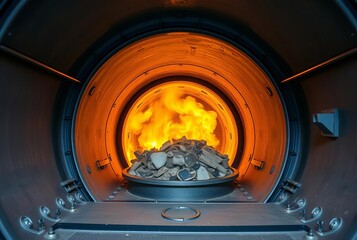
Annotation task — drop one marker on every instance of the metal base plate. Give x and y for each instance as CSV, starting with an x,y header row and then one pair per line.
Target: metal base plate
x,y
138,217
109,235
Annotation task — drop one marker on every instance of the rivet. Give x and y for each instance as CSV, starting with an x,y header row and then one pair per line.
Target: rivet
x,y
272,169
91,91
269,91
89,170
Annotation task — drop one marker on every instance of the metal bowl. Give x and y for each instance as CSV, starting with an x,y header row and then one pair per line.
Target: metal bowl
x,y
166,190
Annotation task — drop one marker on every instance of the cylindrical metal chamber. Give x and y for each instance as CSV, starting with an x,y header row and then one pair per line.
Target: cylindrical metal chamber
x,y
230,57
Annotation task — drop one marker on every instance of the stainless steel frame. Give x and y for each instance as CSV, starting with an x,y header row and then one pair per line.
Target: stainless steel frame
x,y
71,36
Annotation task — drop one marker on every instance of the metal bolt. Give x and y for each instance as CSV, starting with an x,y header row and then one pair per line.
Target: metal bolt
x,y
91,91
310,233
315,211
334,223
303,214
72,206
301,202
58,213
269,91
89,170
320,226
41,224
27,221
51,232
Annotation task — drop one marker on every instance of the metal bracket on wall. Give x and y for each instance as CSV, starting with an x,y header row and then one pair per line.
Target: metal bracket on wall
x,y
27,224
62,205
291,185
70,185
296,205
328,121
315,214
334,225
101,164
258,164
46,213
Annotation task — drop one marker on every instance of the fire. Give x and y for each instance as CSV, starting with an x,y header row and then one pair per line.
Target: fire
x,y
165,115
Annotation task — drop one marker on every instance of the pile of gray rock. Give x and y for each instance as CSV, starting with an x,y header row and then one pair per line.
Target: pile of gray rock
x,y
181,160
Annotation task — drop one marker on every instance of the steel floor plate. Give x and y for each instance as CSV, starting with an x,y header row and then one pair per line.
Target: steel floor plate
x,y
85,235
136,217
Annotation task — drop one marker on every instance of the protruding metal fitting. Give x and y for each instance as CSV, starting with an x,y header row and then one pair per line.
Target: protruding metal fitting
x,y
46,213
334,225
315,214
297,205
62,205
27,224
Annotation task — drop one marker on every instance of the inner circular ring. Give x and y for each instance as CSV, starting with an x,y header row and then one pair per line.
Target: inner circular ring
x,y
252,93
178,107
196,212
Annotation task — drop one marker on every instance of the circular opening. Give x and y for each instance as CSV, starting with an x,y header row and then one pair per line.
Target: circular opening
x,y
247,106
174,108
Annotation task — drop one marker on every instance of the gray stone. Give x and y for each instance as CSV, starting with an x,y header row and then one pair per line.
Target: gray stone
x,y
166,176
151,166
158,159
135,166
196,166
170,154
224,162
173,171
178,160
215,173
169,163
182,148
173,178
185,175
137,154
200,144
211,175
202,174
211,155
144,172
190,160
160,172
181,159
212,164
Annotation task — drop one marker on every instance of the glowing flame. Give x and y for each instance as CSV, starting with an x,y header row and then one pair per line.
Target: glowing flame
x,y
170,115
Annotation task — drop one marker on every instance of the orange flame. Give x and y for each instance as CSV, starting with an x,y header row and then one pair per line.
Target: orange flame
x,y
171,114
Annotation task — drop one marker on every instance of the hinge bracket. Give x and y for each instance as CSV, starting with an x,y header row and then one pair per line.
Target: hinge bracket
x,y
70,185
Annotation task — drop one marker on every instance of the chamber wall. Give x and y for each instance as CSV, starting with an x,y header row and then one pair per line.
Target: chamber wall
x,y
66,37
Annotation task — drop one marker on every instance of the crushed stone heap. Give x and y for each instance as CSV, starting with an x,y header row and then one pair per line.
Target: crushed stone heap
x,y
181,160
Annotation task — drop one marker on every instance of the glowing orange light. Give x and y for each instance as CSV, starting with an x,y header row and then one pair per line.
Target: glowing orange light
x,y
171,111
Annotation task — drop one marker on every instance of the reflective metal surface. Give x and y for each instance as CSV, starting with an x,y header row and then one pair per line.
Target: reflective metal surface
x,y
74,37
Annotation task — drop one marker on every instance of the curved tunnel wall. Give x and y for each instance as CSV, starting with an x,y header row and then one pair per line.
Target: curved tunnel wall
x,y
59,34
